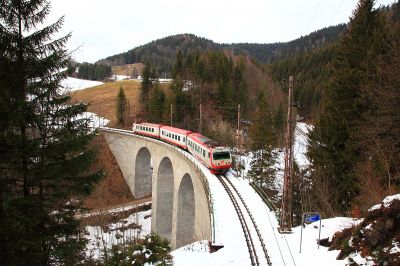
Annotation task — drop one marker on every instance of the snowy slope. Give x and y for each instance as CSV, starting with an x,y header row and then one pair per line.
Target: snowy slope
x,y
74,84
282,249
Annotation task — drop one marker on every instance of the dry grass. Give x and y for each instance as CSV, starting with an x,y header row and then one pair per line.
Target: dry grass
x,y
127,69
102,98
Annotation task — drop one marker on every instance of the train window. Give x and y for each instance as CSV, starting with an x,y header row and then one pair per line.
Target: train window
x,y
184,139
179,138
221,155
208,154
204,153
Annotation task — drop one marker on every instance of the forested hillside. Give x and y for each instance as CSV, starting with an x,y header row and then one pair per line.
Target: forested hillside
x,y
269,53
162,53
216,81
354,147
312,70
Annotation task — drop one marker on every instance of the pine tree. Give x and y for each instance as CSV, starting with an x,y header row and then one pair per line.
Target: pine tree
x,y
43,143
262,140
156,104
122,106
149,78
279,125
378,132
333,151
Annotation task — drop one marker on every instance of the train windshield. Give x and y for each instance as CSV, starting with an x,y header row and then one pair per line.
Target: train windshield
x,y
221,155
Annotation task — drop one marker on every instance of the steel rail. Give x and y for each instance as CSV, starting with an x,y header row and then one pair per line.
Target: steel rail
x,y
252,220
245,228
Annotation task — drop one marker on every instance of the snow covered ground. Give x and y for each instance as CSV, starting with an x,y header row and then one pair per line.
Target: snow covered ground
x,y
117,233
120,77
95,120
282,249
74,84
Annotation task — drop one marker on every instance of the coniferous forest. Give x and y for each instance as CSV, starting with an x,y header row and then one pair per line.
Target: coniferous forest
x,y
45,154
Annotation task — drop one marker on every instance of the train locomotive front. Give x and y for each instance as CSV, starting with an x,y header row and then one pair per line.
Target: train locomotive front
x,y
213,154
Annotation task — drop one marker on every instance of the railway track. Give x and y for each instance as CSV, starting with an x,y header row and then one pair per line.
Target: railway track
x,y
246,230
249,241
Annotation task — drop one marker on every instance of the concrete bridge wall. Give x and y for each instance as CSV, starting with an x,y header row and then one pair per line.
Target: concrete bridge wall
x,y
180,204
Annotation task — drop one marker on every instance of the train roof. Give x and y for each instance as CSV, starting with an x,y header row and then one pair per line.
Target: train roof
x,y
149,124
176,130
203,139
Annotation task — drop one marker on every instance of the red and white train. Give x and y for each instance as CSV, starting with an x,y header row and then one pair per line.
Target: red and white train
x,y
214,155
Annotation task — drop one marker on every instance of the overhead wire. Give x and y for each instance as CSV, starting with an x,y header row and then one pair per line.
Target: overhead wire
x,y
336,12
315,12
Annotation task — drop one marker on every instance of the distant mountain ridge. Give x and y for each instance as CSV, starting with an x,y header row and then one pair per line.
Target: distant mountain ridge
x,y
162,52
269,53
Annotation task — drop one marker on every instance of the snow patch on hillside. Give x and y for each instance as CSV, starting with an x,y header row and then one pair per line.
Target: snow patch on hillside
x,y
386,202
117,233
74,84
95,120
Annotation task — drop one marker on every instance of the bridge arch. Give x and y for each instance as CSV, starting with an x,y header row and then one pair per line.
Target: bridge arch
x,y
165,195
143,173
185,233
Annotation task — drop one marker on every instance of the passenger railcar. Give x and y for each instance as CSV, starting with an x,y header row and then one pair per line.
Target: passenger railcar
x,y
147,129
175,136
214,155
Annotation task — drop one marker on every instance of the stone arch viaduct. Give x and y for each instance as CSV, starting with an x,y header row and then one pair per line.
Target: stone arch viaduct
x,y
180,195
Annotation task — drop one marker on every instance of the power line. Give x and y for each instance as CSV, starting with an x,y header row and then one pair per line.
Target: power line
x,y
337,10
315,12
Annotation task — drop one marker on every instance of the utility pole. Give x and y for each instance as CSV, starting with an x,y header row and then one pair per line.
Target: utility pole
x,y
200,121
171,115
285,223
238,133
238,137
